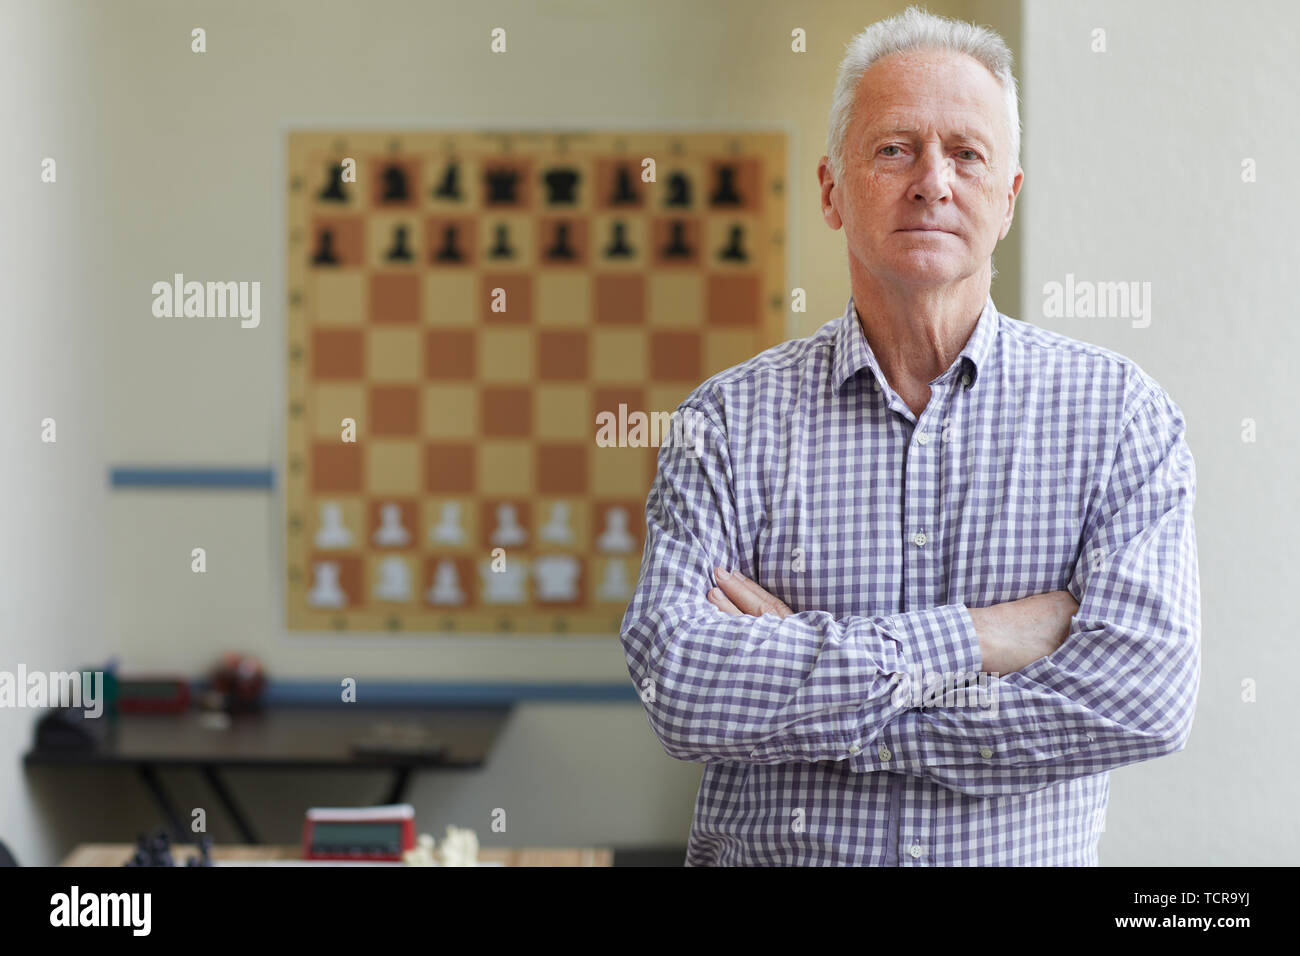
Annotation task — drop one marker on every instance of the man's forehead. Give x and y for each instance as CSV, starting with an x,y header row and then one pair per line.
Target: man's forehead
x,y
930,79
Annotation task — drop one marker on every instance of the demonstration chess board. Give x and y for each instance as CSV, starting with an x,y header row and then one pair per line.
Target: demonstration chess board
x,y
462,307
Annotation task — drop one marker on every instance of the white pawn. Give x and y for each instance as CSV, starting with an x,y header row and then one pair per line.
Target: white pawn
x,y
557,530
332,533
326,591
614,586
508,532
615,539
390,532
446,585
505,586
394,582
448,529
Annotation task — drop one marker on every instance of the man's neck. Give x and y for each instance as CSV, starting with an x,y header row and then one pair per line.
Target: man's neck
x,y
917,333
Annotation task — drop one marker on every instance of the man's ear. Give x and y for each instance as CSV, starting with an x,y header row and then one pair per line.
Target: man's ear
x,y
826,179
1012,193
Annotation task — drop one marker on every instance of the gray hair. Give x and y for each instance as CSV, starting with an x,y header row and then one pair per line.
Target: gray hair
x,y
915,29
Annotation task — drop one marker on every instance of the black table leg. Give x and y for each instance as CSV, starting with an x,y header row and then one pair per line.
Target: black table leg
x,y
398,788
228,802
180,833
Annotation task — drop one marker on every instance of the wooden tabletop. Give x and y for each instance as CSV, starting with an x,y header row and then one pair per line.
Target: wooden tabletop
x,y
115,854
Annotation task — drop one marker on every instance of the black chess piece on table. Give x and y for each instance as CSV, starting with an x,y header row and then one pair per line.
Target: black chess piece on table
x,y
204,856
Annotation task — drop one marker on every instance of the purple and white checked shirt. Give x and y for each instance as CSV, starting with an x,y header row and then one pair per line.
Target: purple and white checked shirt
x,y
1040,463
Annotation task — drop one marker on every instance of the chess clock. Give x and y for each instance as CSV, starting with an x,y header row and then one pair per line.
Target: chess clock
x,y
358,833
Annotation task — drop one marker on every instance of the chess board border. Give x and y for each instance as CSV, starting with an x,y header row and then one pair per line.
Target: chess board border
x,y
526,621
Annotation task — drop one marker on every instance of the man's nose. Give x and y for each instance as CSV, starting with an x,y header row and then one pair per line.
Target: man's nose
x,y
934,174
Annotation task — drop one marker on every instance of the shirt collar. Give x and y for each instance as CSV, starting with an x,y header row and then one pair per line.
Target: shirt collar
x,y
853,352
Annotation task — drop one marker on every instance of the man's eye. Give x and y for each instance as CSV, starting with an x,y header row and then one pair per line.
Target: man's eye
x,y
883,148
969,154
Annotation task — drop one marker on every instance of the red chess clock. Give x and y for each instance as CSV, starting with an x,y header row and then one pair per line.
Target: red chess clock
x,y
358,833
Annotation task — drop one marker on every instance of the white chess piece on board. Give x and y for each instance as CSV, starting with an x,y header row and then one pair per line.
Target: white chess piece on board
x,y
614,586
615,539
557,529
394,582
390,532
508,531
448,529
446,587
332,533
557,577
325,591
507,586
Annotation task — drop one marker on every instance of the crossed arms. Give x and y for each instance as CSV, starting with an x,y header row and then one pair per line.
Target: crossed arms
x,y
1084,687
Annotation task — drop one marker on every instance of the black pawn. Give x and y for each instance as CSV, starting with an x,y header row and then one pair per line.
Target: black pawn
x,y
501,248
400,252
333,191
394,185
560,248
624,194
618,247
449,188
448,252
725,193
679,191
677,248
324,255
734,251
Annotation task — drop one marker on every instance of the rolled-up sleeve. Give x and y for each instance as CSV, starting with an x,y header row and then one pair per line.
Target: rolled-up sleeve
x,y
764,689
1123,686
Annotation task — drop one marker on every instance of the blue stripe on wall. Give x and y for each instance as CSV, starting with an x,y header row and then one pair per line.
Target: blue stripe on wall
x,y
200,478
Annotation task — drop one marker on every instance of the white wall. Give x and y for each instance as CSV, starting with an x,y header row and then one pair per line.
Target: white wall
x,y
1132,163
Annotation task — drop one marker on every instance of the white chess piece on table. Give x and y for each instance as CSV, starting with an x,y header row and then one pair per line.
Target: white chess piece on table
x,y
390,531
615,539
557,577
448,529
557,530
326,591
446,585
394,582
508,532
332,533
614,586
504,587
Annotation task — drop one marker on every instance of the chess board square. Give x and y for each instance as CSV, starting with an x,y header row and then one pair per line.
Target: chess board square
x,y
460,589
613,580
394,242
618,525
451,243
562,356
332,404
618,355
568,186
450,298
724,348
681,187
393,467
668,395
388,172
350,576
394,298
563,411
675,300
733,300
394,410
505,355
336,467
562,524
449,524
450,467
506,523
562,467
339,298
618,472
450,411
731,243
513,233
563,299
608,399
350,520
336,241
450,354
675,356
388,534
507,411
505,467
732,179
393,355
513,305
620,300
562,242
324,183
338,354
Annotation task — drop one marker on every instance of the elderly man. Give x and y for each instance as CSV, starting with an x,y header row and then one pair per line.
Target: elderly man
x,y
934,574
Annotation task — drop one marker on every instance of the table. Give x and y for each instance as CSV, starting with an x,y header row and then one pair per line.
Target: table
x,y
115,854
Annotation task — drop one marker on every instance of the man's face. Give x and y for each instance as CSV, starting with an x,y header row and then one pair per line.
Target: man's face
x,y
925,192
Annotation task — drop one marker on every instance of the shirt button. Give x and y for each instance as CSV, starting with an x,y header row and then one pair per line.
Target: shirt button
x,y
986,752
854,748
965,379
885,752
919,539
923,439
915,852
875,385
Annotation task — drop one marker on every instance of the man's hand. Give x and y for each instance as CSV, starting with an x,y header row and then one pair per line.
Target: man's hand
x,y
1012,635
736,594
1015,634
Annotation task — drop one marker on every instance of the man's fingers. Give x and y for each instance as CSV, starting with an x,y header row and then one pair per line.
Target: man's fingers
x,y
748,596
721,602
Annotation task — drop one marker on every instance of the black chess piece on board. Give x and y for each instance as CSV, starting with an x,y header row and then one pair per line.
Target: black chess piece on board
x,y
679,190
560,248
561,186
618,247
400,251
324,255
724,193
624,192
449,186
677,248
395,184
502,185
734,252
333,190
448,252
501,248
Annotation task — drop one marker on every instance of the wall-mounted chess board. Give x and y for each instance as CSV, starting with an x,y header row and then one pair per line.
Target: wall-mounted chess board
x,y
476,427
